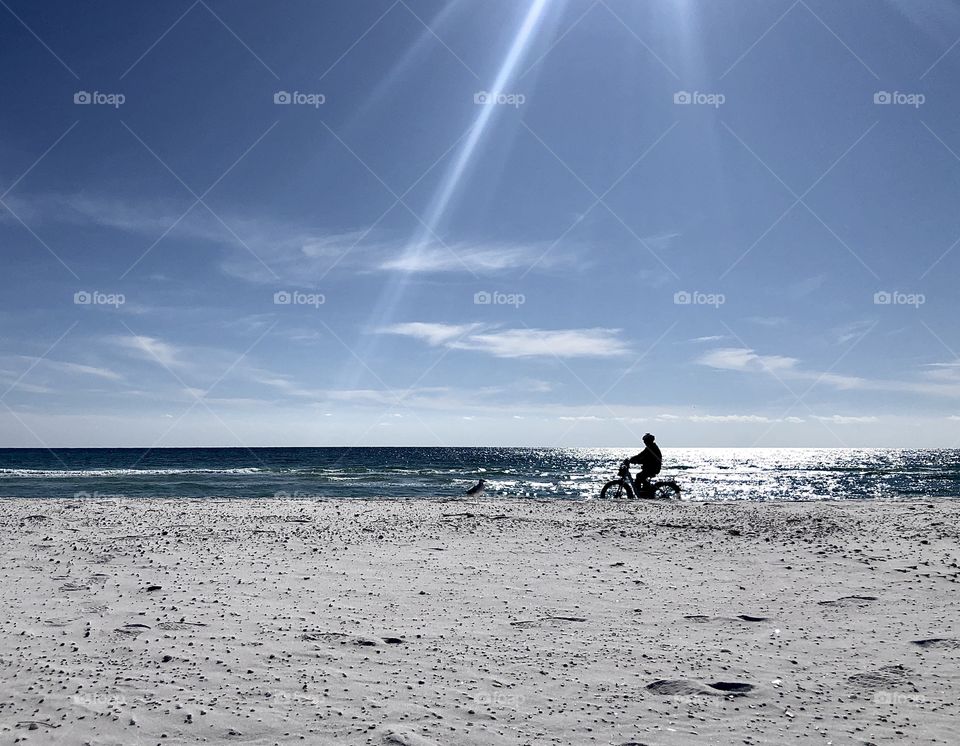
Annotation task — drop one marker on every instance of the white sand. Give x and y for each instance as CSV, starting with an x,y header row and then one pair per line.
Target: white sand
x,y
522,622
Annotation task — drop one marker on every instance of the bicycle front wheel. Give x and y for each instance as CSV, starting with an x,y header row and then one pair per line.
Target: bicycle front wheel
x,y
613,490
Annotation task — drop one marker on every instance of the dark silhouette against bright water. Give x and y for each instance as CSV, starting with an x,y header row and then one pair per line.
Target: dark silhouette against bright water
x,y
703,473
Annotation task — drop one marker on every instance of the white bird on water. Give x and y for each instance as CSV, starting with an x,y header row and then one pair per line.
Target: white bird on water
x,y
476,489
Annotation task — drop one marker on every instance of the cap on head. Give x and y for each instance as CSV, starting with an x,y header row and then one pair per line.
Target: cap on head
x,y
648,438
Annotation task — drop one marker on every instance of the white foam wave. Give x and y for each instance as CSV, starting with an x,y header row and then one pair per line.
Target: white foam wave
x,y
106,473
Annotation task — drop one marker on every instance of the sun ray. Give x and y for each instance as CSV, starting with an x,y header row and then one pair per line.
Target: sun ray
x,y
425,235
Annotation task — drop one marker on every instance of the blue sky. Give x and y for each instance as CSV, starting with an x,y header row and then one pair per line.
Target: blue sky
x,y
245,223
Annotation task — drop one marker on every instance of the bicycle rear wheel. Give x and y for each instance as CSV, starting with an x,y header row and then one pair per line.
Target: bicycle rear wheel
x,y
666,490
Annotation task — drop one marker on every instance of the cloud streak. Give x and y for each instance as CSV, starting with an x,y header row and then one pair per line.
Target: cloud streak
x,y
783,368
516,343
267,249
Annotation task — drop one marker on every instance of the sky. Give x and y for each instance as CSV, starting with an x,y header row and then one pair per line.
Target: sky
x,y
507,222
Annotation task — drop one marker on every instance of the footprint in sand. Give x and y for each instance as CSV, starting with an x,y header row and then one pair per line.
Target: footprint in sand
x,y
686,687
58,622
131,630
938,643
180,625
883,678
731,687
342,638
845,601
701,619
675,687
527,623
396,737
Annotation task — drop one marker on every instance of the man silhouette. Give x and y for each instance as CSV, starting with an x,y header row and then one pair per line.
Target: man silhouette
x,y
650,460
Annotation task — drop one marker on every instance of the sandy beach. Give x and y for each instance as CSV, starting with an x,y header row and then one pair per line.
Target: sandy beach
x,y
479,622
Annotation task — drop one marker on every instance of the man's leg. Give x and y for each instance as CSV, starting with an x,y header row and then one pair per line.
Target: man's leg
x,y
641,483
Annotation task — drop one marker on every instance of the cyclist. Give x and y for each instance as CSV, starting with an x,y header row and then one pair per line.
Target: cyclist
x,y
650,460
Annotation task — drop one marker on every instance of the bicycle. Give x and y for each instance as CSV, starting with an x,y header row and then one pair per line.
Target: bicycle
x,y
623,487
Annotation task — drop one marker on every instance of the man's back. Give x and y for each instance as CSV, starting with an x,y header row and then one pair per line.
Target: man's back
x,y
651,459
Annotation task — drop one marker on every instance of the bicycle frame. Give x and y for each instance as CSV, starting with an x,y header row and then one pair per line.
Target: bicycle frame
x,y
626,478
625,483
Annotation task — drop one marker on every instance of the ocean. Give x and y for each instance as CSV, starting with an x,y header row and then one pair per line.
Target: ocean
x,y
404,473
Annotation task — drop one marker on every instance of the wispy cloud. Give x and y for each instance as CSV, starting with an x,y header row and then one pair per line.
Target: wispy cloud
x,y
662,241
854,330
943,372
751,418
742,358
64,366
517,343
81,369
151,348
745,360
474,258
432,334
769,321
802,288
841,419
267,249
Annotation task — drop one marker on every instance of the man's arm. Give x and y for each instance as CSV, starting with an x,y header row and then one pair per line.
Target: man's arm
x,y
638,459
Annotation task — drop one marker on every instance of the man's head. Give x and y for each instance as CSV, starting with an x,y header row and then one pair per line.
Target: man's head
x,y
648,439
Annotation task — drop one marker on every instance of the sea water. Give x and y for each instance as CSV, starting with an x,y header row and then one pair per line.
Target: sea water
x,y
572,473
